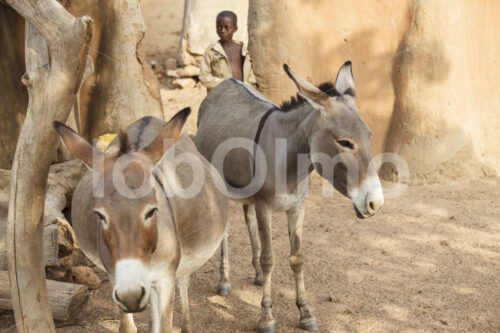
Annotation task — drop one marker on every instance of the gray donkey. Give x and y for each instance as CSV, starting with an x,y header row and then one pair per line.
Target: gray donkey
x,y
266,154
137,227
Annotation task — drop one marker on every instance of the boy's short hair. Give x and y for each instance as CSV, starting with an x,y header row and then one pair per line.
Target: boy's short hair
x,y
227,13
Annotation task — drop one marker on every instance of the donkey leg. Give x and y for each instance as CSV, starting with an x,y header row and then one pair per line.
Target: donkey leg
x,y
127,323
182,286
166,294
249,210
295,223
266,323
154,312
224,286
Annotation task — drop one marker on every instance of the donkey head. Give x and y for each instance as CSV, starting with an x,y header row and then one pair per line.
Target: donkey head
x,y
126,208
340,141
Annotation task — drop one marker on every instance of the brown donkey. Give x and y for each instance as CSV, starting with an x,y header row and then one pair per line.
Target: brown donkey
x,y
320,130
130,221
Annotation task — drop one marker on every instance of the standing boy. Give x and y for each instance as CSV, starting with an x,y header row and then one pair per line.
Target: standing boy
x,y
227,58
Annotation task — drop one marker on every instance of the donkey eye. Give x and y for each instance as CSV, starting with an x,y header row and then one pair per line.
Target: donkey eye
x,y
101,217
151,213
346,144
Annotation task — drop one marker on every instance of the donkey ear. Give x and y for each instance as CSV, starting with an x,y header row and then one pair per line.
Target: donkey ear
x,y
307,90
76,144
167,137
345,80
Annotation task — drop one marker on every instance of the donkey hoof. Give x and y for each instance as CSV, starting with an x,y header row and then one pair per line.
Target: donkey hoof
x,y
267,327
259,281
309,324
224,290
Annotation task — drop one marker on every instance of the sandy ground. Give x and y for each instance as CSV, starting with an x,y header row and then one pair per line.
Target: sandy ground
x,y
428,262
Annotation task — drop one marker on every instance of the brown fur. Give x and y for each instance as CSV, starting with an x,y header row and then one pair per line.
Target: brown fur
x,y
131,240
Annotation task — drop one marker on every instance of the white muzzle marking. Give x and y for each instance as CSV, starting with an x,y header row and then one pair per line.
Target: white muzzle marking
x,y
132,289
368,198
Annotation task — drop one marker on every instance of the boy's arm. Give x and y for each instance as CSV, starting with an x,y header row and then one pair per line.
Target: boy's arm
x,y
206,77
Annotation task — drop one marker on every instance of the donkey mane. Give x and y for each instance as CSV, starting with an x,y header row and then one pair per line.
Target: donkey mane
x,y
125,146
295,101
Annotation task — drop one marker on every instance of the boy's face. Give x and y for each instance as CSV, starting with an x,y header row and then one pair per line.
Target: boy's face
x,y
226,28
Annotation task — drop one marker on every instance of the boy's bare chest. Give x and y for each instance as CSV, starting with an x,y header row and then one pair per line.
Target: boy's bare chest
x,y
233,54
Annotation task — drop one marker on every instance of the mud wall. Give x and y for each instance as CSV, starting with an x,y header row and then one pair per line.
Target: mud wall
x,y
163,19
426,71
447,108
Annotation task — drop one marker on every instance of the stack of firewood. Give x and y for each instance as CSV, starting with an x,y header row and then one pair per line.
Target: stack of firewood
x,y
69,276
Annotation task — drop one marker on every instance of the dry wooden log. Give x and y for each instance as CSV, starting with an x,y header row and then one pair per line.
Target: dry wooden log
x,y
67,174
65,299
63,178
67,238
50,245
58,238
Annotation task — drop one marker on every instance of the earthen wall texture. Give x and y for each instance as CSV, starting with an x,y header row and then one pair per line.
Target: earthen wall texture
x,y
426,72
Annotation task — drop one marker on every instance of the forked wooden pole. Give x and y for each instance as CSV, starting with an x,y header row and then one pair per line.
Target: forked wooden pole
x,y
52,83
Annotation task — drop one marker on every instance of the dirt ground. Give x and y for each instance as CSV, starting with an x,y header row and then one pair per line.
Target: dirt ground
x,y
428,262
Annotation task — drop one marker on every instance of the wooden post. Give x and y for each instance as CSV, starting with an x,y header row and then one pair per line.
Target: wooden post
x,y
52,84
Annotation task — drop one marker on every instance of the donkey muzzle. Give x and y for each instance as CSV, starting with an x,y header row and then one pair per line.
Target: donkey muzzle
x,y
368,198
132,289
130,301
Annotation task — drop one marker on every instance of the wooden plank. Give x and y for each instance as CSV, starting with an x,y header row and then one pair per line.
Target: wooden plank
x,y
65,299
